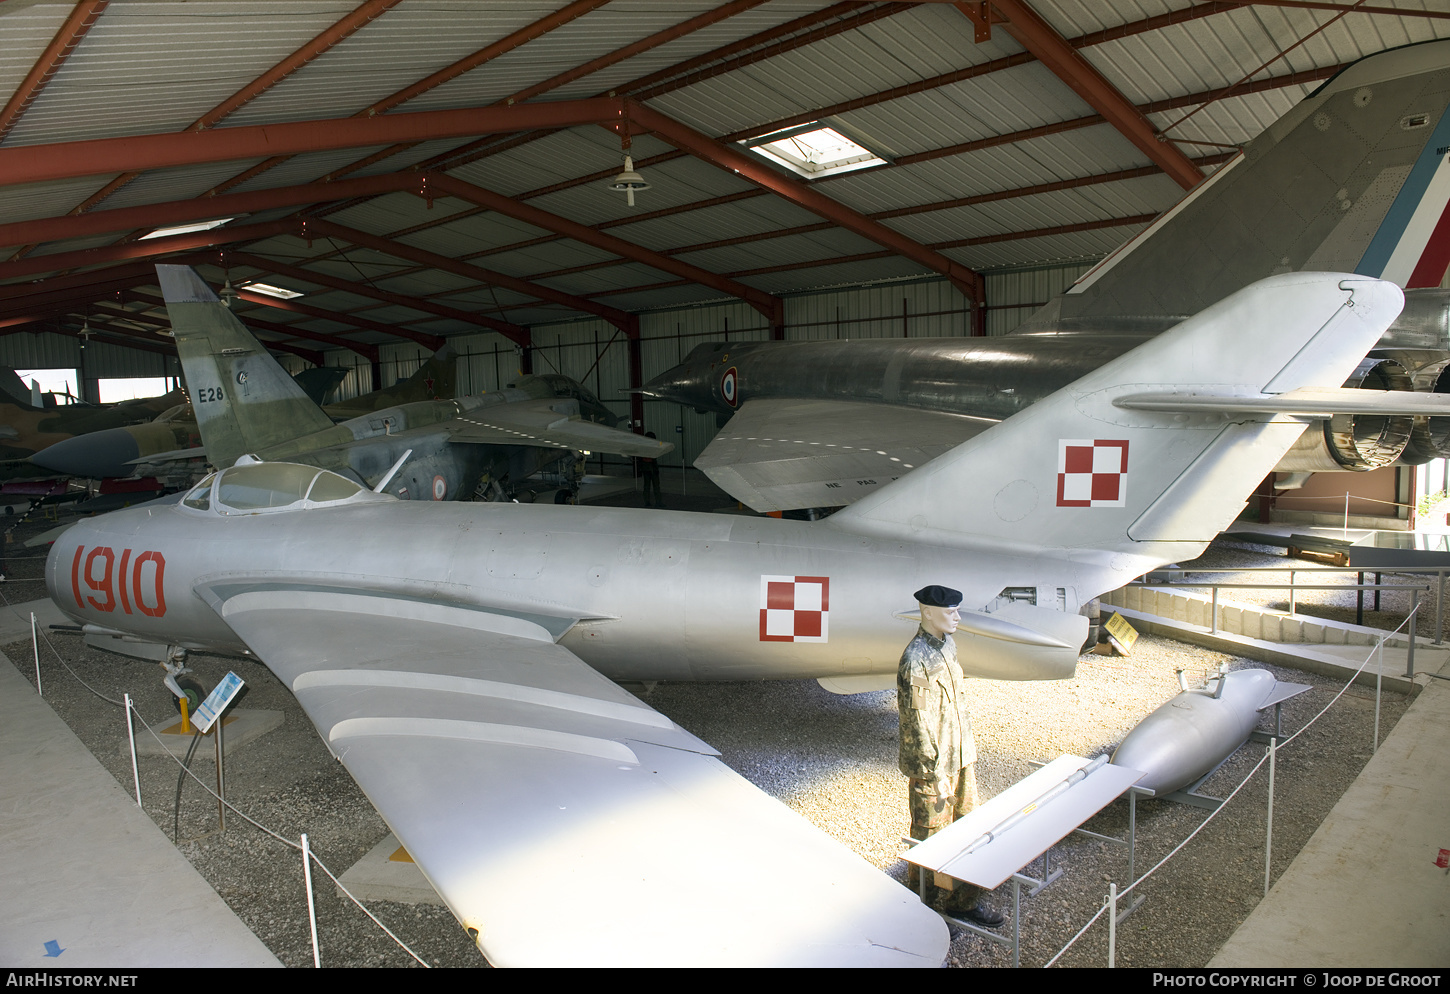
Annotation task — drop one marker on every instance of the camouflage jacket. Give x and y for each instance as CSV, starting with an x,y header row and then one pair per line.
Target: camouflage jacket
x,y
936,731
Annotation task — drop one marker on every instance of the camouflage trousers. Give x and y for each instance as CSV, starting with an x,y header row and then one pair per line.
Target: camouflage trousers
x,y
935,805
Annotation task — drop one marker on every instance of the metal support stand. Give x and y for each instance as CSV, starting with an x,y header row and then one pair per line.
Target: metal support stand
x,y
311,909
1410,656
1439,607
1131,844
1269,831
1379,679
221,780
131,741
35,646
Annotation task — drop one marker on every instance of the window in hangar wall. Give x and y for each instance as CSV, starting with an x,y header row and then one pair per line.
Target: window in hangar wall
x,y
60,382
121,388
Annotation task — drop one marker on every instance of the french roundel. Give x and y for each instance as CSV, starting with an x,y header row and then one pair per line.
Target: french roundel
x,y
440,487
728,387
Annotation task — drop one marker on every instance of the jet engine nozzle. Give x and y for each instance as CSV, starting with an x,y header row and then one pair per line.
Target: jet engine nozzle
x,y
1356,442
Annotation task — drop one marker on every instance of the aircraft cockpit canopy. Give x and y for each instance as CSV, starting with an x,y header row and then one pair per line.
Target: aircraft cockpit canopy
x,y
542,386
260,487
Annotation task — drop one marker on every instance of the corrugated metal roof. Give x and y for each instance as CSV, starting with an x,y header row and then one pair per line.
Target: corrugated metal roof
x,y
150,67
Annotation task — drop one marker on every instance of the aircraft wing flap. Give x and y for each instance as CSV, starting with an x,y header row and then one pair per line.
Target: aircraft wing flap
x,y
559,816
536,423
778,454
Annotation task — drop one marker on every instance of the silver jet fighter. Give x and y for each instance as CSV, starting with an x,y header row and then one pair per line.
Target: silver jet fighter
x,y
1356,177
245,403
457,658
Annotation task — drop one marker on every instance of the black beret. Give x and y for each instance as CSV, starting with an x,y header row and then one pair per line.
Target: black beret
x,y
937,596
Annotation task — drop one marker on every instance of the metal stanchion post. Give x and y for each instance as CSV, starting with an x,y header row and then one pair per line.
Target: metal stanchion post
x,y
1410,656
221,780
1291,592
131,741
1269,833
1359,601
1379,679
35,647
1213,616
1439,606
1112,924
311,910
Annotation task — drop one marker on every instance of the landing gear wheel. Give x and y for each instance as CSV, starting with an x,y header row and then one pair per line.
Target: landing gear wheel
x,y
195,694
565,496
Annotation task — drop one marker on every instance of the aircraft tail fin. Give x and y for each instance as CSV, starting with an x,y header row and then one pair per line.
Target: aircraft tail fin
x,y
1092,467
243,399
1354,179
436,378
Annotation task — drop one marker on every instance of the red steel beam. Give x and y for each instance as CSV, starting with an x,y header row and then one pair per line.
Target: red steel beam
x,y
1351,8
202,208
486,54
136,273
67,160
765,303
311,355
1006,236
669,34
360,17
753,169
719,61
616,317
82,16
727,58
343,29
515,333
266,300
306,228
144,250
369,352
1052,50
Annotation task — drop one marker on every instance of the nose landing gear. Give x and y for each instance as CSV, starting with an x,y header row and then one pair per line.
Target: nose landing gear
x,y
180,682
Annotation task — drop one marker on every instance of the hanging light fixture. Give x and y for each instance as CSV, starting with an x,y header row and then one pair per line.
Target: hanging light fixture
x,y
228,293
629,180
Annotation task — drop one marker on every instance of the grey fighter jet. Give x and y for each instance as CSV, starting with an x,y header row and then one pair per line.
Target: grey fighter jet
x,y
1356,177
457,658
427,450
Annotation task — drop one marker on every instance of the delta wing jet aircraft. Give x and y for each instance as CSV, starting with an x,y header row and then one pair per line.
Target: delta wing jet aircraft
x,y
171,445
1356,177
458,658
427,450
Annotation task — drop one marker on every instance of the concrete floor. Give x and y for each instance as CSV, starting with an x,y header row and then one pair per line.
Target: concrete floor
x,y
88,879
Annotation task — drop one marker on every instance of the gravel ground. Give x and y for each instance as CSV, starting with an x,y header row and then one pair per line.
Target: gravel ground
x,y
832,759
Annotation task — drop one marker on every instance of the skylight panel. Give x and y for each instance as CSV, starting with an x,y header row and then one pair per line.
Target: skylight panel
x,y
183,229
273,291
816,149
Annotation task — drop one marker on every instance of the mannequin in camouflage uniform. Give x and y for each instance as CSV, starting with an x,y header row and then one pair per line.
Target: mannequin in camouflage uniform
x,y
937,752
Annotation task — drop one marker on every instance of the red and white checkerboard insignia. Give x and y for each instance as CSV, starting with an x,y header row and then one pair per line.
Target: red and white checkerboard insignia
x,y
794,608
1092,472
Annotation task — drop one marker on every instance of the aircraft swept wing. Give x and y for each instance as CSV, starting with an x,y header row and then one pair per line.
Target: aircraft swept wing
x,y
535,794
540,422
779,453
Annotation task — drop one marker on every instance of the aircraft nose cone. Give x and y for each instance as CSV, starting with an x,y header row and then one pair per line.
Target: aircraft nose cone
x,y
688,383
96,456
